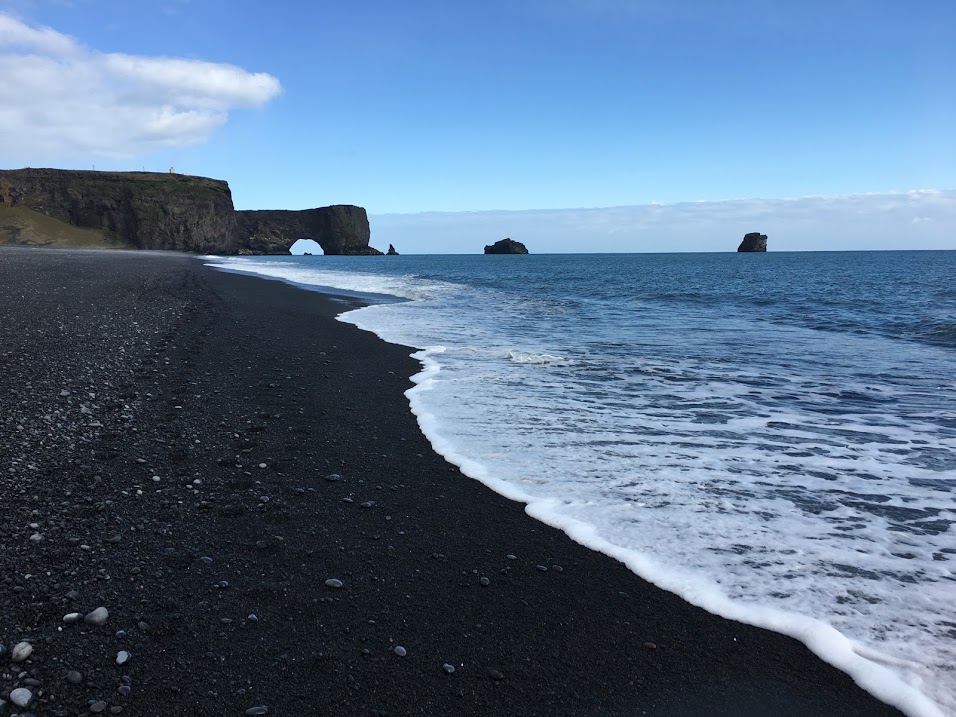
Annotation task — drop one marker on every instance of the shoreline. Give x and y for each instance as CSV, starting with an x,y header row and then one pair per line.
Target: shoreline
x,y
220,373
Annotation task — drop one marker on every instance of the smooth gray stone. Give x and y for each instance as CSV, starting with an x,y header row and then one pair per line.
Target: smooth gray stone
x,y
97,617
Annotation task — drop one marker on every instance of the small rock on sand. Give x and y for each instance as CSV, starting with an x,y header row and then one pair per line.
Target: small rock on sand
x,y
97,617
21,651
400,651
334,583
21,697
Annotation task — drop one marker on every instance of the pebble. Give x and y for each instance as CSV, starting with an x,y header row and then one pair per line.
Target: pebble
x,y
400,651
97,707
650,645
74,677
334,583
495,675
542,568
36,538
261,710
21,697
125,690
484,582
448,668
21,651
333,477
122,657
97,617
262,465
511,557
223,584
252,617
72,617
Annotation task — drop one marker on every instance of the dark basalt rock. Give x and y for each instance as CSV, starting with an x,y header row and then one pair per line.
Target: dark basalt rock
x,y
142,210
151,210
339,229
391,251
754,241
506,246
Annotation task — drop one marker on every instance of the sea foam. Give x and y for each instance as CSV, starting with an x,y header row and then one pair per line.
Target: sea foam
x,y
793,470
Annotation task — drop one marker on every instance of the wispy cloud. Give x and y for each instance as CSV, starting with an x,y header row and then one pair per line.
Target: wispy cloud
x,y
61,100
920,219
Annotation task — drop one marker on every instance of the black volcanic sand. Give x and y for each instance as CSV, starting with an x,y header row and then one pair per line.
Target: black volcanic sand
x,y
201,378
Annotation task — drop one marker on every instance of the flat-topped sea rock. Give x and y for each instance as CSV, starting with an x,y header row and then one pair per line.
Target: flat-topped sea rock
x,y
339,229
754,241
506,246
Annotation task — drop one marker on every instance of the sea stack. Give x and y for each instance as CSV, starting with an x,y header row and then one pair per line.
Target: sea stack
x,y
506,246
754,241
391,251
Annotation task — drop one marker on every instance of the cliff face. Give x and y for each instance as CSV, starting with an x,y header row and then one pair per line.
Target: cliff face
x,y
148,210
144,210
339,229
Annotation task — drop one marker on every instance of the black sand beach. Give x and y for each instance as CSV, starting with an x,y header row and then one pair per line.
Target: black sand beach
x,y
166,433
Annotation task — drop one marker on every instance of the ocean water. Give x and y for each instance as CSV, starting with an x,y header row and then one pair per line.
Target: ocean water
x,y
771,436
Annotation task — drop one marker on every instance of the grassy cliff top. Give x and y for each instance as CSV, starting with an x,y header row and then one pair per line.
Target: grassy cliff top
x,y
91,177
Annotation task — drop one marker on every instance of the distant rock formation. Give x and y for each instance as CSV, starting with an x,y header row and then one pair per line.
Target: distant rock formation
x,y
754,241
339,229
152,210
391,251
506,246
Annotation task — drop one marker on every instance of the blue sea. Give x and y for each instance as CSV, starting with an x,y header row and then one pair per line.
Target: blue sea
x,y
770,436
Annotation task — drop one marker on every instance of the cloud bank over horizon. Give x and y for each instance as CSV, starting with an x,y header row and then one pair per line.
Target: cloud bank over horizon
x,y
918,219
61,100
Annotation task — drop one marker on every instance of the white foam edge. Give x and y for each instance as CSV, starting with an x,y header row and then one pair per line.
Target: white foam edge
x,y
861,663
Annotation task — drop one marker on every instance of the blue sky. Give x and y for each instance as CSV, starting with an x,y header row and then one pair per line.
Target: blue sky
x,y
462,107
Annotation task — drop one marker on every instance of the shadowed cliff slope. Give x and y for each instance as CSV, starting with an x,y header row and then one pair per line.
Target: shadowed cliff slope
x,y
150,210
145,210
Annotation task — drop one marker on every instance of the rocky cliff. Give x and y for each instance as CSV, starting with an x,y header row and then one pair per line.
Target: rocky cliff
x,y
339,229
148,210
144,210
754,241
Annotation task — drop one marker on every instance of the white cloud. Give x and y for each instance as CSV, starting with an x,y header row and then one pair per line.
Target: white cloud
x,y
62,101
831,223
